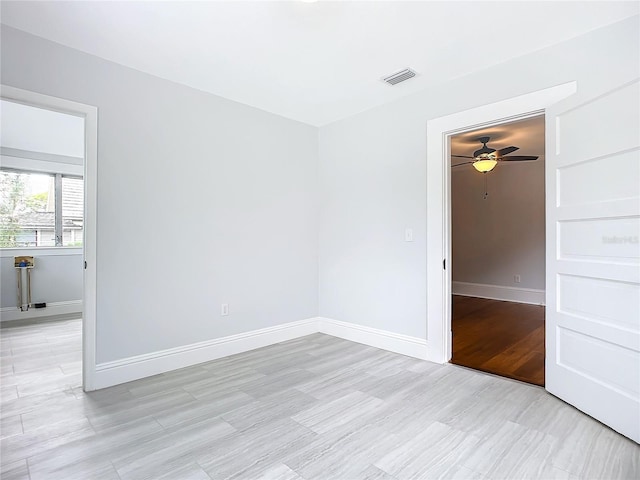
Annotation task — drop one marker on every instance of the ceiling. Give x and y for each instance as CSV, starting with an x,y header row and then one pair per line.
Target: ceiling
x,y
527,135
312,62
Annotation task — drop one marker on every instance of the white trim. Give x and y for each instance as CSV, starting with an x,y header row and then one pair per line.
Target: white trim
x,y
90,115
10,314
141,366
154,363
7,252
499,292
393,342
40,166
41,156
439,198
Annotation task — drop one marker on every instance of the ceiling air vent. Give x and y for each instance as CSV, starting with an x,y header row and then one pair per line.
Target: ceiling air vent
x,y
400,76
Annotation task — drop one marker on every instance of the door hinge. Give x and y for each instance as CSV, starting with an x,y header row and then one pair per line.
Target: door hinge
x,y
444,264
85,264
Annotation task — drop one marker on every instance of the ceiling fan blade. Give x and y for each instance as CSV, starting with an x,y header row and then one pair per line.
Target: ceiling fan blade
x,y
506,151
518,158
461,156
460,164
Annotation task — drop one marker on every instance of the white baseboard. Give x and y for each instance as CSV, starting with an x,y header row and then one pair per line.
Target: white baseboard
x,y
132,368
497,292
9,314
393,342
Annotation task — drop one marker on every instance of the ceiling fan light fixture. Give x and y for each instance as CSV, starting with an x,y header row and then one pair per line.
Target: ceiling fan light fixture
x,y
485,165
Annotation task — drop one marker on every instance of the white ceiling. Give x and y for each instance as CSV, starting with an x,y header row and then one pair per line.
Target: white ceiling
x,y
312,62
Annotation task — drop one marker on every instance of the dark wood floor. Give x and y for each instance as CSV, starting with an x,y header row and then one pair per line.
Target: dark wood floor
x,y
504,338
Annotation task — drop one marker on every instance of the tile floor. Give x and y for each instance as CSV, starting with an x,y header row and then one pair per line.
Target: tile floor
x,y
313,408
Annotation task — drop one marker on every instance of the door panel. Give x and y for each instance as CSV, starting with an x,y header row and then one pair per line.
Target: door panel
x,y
592,357
599,240
593,255
576,185
605,301
602,118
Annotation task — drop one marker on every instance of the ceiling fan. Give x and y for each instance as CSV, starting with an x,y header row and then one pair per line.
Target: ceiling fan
x,y
485,158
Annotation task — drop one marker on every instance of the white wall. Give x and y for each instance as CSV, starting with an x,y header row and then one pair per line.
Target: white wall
x,y
495,238
39,130
201,201
373,176
245,182
56,279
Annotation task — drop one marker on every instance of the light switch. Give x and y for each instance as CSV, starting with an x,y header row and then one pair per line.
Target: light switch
x,y
408,235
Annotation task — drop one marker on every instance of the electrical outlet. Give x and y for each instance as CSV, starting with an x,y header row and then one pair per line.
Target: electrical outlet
x,y
224,309
516,278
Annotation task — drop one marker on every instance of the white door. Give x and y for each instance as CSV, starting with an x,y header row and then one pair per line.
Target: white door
x,y
593,255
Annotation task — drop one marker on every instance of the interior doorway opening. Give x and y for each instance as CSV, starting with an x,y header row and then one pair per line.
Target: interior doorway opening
x,y
497,242
65,154
578,261
42,153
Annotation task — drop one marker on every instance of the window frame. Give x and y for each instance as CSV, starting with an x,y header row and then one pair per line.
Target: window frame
x,y
53,170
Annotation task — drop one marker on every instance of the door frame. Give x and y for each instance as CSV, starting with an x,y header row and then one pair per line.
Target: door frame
x,y
90,115
439,131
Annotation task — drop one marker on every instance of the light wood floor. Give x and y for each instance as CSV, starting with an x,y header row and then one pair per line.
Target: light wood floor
x,y
313,408
505,338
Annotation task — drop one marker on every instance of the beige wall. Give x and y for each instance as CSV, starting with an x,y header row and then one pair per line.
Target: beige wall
x,y
495,238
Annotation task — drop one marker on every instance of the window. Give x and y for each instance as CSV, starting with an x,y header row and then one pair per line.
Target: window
x,y
40,209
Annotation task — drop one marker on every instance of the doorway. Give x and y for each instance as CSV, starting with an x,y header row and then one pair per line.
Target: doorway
x,y
73,236
438,293
581,259
498,249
